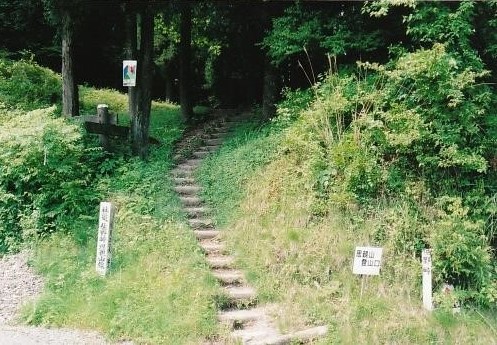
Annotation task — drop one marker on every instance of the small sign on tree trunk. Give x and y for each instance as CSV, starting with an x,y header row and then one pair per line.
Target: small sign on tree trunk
x,y
105,225
129,72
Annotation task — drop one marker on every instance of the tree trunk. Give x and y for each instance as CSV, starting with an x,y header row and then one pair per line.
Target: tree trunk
x,y
185,62
169,80
70,101
270,90
141,119
131,54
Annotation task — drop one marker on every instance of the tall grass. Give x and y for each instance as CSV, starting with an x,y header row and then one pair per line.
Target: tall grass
x,y
303,261
159,290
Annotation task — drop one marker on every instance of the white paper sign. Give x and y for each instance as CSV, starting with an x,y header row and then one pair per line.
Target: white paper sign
x,y
129,72
367,260
105,225
427,281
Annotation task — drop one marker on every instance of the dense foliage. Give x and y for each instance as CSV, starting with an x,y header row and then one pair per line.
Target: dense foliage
x,y
25,85
420,128
46,176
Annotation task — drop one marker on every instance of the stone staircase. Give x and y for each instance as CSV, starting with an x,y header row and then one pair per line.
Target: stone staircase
x,y
249,323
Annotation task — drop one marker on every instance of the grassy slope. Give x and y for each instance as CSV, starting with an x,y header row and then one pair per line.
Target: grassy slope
x,y
304,263
159,290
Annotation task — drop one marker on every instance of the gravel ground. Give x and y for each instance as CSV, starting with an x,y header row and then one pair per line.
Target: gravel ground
x,y
18,285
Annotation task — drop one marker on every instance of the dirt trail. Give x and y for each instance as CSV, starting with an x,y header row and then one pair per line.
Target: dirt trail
x,y
249,322
18,285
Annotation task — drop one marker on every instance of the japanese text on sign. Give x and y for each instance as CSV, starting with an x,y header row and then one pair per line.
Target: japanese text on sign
x,y
427,280
367,260
105,225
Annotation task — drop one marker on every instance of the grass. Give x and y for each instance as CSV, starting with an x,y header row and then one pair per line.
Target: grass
x,y
263,196
159,290
250,146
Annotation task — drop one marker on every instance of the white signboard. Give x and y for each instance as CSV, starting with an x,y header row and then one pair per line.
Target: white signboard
x,y
427,281
129,72
367,260
105,226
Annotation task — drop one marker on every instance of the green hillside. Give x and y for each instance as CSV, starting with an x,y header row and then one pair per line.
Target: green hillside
x,y
364,124
357,163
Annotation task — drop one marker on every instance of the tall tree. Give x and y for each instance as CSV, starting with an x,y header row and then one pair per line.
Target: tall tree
x,y
70,96
140,34
61,14
185,62
270,89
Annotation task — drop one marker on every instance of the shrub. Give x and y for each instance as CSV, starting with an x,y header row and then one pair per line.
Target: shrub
x,y
91,97
422,119
461,253
45,173
25,85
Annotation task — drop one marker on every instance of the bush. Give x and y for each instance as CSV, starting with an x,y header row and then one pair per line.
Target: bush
x,y
25,85
461,253
90,98
424,119
46,176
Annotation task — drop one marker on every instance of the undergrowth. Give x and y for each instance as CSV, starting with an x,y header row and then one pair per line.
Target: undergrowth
x,y
369,162
52,178
158,290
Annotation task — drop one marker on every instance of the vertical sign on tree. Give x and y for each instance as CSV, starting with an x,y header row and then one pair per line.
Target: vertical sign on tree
x,y
105,225
129,72
427,281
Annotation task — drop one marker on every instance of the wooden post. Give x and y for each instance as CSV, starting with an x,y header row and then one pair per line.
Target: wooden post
x,y
105,226
104,119
427,280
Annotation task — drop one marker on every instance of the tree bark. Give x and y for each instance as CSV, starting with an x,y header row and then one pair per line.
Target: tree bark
x,y
131,54
141,119
270,90
185,62
70,100
169,80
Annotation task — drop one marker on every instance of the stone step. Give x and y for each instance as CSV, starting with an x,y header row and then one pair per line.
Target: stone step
x,y
183,181
194,162
240,294
190,200
217,134
208,148
196,212
201,223
241,316
237,318
212,248
256,332
200,154
220,261
300,337
186,167
179,172
228,276
217,141
206,234
187,190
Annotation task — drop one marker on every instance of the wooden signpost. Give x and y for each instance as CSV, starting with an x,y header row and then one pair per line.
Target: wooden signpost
x,y
427,280
104,124
105,226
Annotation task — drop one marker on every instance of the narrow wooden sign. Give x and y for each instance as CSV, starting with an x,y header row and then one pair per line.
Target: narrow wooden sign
x,y
427,280
105,226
